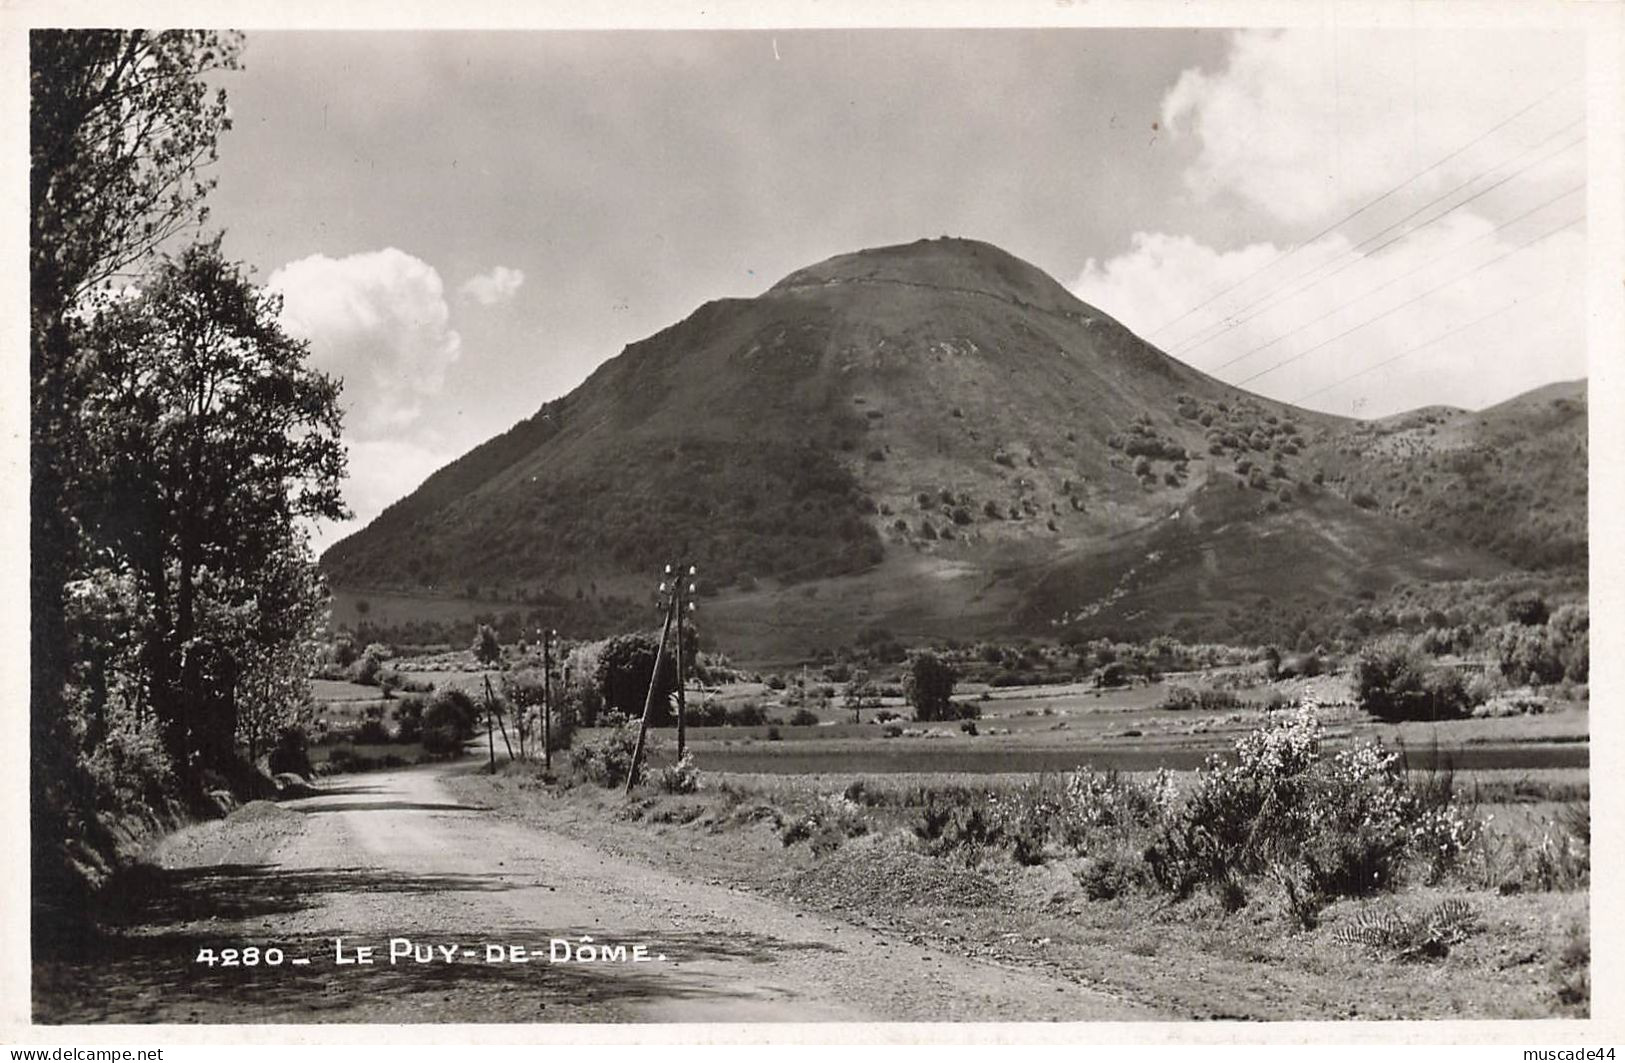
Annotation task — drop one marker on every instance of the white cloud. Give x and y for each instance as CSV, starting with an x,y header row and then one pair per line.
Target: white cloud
x,y
382,471
1539,338
496,285
1304,124
380,321
1300,129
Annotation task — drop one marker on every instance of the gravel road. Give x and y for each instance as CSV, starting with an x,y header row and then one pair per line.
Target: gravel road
x,y
391,857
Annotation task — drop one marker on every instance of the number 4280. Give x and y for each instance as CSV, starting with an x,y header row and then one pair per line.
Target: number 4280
x,y
251,956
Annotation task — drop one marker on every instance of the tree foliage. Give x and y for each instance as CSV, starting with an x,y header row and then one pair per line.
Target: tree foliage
x,y
206,440
929,686
487,649
119,125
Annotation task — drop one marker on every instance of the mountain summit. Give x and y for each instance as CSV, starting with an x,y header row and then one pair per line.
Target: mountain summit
x,y
935,437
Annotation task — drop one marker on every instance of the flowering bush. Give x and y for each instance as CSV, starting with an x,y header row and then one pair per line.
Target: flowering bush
x,y
679,778
1321,826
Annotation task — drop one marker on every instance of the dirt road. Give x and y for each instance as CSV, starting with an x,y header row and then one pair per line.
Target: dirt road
x,y
393,863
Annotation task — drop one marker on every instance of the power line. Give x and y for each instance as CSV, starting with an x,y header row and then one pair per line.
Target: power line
x,y
1408,273
1406,353
1481,266
1292,289
1350,217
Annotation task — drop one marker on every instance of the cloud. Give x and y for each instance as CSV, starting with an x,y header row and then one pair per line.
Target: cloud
x,y
382,471
380,321
496,285
1324,315
1302,129
1302,124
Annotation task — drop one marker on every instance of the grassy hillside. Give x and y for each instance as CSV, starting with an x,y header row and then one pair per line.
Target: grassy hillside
x,y
1509,480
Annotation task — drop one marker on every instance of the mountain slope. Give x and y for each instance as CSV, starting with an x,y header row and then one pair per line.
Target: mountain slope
x,y
934,437
1510,479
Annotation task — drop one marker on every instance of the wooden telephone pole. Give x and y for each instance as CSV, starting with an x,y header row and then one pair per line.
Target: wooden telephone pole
x,y
547,699
649,699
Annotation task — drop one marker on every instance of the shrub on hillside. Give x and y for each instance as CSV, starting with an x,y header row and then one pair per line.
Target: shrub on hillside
x,y
803,718
372,733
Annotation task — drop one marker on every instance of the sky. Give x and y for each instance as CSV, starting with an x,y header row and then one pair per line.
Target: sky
x,y
465,224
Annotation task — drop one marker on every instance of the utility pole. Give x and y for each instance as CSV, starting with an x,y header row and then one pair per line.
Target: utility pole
x,y
491,709
649,699
547,699
681,602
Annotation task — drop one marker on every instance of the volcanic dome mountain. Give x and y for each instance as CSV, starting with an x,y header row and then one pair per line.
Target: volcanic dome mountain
x,y
935,438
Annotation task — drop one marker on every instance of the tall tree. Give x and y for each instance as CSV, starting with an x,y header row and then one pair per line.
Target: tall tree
x,y
119,125
208,440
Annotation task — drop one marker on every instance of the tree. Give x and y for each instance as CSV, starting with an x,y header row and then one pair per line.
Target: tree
x,y
625,666
1527,607
281,644
448,721
207,440
860,694
119,124
487,650
929,686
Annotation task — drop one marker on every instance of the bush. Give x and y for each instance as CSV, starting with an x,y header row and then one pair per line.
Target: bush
x,y
372,733
448,722
1528,655
291,752
1320,827
366,669
1115,674
929,686
1527,608
681,777
1182,698
607,760
1392,683
746,714
803,718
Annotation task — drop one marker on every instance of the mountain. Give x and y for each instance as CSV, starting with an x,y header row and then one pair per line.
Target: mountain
x,y
1510,479
936,439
